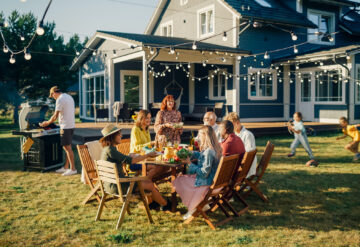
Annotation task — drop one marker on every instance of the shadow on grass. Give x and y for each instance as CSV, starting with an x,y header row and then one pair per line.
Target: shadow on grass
x,y
300,200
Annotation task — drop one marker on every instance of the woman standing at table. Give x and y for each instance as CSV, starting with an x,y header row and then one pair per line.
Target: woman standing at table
x,y
192,188
165,120
111,138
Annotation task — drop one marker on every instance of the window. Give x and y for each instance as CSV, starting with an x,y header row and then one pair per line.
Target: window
x,y
183,2
326,25
328,86
217,85
299,6
264,3
206,21
305,88
94,94
261,84
167,29
357,81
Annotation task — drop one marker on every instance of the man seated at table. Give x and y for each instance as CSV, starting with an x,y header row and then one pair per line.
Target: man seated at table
x,y
210,119
231,144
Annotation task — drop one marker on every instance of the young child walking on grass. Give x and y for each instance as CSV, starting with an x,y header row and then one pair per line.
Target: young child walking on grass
x,y
299,131
353,132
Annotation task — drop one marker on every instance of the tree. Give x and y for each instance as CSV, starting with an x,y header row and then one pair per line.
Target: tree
x,y
32,79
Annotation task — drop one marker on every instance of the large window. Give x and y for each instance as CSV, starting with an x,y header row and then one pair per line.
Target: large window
x,y
218,85
328,86
94,94
167,29
262,84
326,25
206,21
305,87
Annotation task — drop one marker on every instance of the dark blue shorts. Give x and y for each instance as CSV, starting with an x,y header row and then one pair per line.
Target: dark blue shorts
x,y
135,167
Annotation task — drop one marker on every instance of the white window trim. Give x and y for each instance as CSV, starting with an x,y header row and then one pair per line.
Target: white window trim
x,y
183,2
357,80
199,12
167,24
274,81
313,81
139,73
332,28
84,92
211,84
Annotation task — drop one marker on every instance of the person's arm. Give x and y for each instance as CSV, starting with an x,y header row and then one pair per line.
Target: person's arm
x,y
159,125
116,155
53,118
203,168
225,149
135,137
294,130
249,142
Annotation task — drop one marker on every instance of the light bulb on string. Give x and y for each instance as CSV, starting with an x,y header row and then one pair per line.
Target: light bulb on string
x,y
40,29
224,36
4,24
50,48
172,50
77,52
22,38
94,53
266,56
295,49
27,54
152,51
204,64
223,59
12,59
194,46
177,66
189,66
23,1
5,49
238,58
348,57
293,36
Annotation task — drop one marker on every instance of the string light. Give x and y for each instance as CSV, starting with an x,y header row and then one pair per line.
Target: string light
x,y
12,59
5,49
22,38
152,51
238,58
27,55
224,37
293,36
295,49
194,47
94,53
40,29
50,49
266,56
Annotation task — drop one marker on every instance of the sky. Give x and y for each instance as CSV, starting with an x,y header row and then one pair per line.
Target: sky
x,y
84,17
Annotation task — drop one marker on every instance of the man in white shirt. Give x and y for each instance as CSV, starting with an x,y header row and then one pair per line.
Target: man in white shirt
x,y
246,136
65,112
210,119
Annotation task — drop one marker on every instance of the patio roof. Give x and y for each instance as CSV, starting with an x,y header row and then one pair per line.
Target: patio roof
x,y
351,22
144,40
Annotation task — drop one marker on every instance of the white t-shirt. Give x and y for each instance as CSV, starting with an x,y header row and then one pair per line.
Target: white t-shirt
x,y
66,106
249,142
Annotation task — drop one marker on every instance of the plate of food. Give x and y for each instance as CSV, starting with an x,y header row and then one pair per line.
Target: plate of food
x,y
178,125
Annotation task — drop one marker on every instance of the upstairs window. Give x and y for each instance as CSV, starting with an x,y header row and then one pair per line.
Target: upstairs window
x,y
206,21
167,29
326,25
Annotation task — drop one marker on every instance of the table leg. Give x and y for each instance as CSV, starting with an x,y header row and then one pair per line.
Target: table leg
x,y
173,192
143,170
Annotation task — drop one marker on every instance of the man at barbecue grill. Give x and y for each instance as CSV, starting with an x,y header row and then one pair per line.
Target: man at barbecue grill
x,y
65,112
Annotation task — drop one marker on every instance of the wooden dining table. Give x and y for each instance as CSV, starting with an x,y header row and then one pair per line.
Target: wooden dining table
x,y
174,169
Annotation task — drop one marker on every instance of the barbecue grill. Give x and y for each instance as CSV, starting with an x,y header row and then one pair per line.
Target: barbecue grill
x,y
45,152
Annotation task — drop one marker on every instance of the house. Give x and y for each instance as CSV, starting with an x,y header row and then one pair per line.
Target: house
x,y
264,59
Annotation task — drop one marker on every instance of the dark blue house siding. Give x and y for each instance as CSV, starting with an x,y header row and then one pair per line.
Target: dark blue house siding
x,y
261,111
128,65
327,107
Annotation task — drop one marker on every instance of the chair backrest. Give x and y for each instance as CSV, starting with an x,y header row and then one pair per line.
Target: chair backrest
x,y
107,172
265,159
87,163
156,105
225,171
219,105
199,109
124,146
244,167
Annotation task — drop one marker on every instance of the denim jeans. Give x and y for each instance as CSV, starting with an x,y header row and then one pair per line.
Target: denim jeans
x,y
301,138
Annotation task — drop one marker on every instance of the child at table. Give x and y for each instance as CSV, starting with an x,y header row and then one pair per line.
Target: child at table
x,y
192,188
353,132
300,136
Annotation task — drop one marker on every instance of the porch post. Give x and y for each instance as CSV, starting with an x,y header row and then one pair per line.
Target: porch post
x,y
352,88
145,100
191,89
286,88
111,87
236,88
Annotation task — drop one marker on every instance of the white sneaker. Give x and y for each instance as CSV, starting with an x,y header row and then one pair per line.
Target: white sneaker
x,y
61,170
69,172
189,214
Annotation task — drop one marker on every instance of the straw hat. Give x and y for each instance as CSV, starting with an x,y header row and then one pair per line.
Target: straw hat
x,y
54,89
108,130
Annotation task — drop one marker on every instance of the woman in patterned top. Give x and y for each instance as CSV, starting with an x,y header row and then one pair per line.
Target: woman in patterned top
x,y
165,120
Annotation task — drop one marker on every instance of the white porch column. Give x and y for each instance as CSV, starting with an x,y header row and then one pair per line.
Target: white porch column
x,y
145,99
111,81
352,88
80,94
286,91
191,89
236,87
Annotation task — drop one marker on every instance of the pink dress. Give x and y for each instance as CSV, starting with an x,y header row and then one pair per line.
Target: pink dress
x,y
165,134
190,195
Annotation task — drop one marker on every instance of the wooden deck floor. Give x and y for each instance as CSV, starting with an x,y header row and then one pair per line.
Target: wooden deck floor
x,y
91,131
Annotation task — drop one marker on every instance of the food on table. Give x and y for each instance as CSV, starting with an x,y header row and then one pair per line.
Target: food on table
x,y
148,149
169,153
178,125
183,153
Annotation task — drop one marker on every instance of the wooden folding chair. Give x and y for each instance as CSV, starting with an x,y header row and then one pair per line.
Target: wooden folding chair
x,y
220,185
124,148
108,172
90,173
239,179
252,182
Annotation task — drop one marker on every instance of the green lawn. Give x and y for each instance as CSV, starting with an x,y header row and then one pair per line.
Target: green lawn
x,y
308,206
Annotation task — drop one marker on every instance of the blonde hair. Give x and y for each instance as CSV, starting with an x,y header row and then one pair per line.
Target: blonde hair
x,y
140,117
211,140
233,117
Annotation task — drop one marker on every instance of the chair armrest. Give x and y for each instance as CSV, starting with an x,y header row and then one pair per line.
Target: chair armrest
x,y
134,179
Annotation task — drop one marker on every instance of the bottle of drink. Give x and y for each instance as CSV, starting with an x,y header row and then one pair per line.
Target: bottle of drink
x,y
192,139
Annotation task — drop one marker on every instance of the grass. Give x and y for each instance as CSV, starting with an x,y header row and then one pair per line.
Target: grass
x,y
308,206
